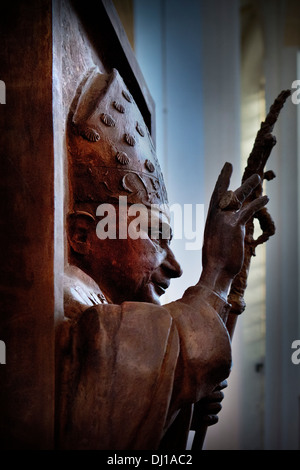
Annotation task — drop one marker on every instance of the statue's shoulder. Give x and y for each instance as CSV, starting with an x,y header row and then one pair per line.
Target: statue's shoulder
x,y
80,292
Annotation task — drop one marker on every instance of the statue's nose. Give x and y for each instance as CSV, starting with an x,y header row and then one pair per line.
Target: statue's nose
x,y
171,265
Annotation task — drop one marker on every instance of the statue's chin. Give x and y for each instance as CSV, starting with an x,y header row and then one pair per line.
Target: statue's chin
x,y
153,293
150,293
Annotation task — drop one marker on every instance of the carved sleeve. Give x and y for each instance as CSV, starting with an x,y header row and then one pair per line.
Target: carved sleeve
x,y
205,350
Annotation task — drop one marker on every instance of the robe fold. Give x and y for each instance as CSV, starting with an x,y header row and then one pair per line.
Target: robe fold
x,y
125,371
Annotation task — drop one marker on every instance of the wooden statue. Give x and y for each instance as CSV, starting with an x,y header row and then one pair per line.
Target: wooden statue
x,y
128,369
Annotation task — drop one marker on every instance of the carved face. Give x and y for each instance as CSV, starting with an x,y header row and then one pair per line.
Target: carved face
x,y
129,269
112,156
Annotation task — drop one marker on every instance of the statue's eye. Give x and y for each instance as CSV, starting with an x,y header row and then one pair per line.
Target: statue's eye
x,y
155,234
162,233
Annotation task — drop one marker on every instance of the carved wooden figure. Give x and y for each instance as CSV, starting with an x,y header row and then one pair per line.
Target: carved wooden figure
x,y
129,370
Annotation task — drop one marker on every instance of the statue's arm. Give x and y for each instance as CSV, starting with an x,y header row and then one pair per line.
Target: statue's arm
x,y
199,315
205,350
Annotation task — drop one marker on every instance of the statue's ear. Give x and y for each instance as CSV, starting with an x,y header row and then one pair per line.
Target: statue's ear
x,y
79,230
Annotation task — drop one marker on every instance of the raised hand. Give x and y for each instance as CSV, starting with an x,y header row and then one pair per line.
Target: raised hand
x,y
223,248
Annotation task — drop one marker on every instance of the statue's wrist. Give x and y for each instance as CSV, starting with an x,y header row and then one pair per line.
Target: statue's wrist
x,y
207,294
217,280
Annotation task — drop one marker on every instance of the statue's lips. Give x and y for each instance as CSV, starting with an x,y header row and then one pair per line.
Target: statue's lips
x,y
160,286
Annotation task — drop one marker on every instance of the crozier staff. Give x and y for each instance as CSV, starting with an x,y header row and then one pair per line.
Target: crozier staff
x,y
263,145
128,369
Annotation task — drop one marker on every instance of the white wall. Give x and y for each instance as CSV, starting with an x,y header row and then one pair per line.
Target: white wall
x,y
282,377
167,45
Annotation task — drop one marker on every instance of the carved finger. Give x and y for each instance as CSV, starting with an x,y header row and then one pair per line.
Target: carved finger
x,y
221,185
234,200
250,209
247,187
210,420
230,202
216,396
222,385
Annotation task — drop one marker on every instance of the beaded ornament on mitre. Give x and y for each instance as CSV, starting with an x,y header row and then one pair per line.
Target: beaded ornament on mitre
x,y
111,153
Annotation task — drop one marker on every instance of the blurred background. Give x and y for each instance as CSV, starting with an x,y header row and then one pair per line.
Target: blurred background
x,y
214,68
